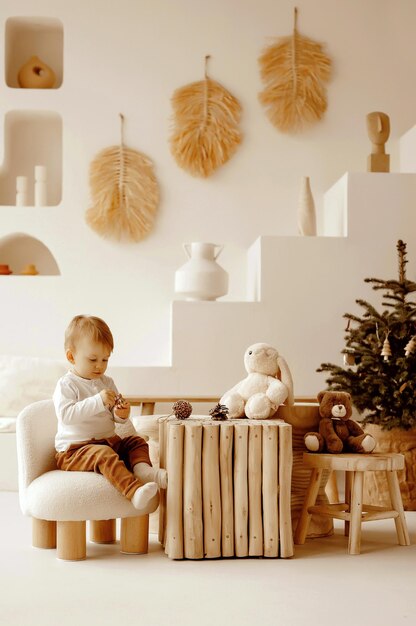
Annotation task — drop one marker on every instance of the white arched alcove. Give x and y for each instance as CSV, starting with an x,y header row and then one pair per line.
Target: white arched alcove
x,y
19,250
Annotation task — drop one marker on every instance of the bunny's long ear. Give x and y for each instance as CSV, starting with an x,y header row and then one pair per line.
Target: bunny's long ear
x,y
286,378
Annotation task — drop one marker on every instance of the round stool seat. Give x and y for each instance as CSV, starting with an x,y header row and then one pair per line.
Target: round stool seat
x,y
350,462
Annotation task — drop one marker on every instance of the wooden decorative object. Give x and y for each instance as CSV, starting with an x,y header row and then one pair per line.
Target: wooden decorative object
x,y
206,126
241,470
29,270
124,192
378,128
294,71
35,74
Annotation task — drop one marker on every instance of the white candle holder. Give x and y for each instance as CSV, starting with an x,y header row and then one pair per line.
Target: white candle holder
x,y
21,190
40,185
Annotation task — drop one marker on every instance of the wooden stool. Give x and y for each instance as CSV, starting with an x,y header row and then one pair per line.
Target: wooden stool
x,y
352,511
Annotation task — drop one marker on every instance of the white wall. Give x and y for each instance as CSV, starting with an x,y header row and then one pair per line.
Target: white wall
x,y
130,56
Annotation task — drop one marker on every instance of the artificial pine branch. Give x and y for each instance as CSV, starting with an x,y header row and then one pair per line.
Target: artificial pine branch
x,y
384,389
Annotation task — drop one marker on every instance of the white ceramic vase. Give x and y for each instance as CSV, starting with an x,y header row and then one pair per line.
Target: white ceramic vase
x,y
201,278
306,209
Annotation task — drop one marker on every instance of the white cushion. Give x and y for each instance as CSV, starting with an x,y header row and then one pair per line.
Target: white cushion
x,y
74,496
24,380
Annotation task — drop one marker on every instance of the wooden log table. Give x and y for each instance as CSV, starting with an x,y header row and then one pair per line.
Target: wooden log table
x,y
228,489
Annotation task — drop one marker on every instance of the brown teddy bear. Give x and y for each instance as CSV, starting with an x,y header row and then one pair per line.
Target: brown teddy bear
x,y
337,432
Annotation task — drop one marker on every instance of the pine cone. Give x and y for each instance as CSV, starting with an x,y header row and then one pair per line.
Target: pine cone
x,y
120,402
219,412
182,409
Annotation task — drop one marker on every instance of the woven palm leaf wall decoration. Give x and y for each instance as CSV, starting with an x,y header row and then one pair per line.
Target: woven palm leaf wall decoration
x,y
124,193
294,71
206,126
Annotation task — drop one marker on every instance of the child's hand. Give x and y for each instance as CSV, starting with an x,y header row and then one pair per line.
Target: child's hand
x,y
122,407
108,397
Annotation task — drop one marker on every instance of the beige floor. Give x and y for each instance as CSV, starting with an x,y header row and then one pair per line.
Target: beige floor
x,y
321,585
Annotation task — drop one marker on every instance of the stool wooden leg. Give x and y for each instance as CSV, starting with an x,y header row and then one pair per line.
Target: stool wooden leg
x,y
356,508
103,531
331,488
349,476
397,504
43,533
134,535
310,499
71,541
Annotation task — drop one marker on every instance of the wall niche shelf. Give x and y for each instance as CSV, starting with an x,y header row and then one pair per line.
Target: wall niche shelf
x,y
19,250
26,37
31,138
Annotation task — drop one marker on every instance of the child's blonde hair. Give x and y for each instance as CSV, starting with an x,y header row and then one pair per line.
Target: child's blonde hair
x,y
95,327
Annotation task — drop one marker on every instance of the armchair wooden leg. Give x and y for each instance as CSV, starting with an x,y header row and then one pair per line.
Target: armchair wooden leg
x,y
71,541
134,535
103,531
43,533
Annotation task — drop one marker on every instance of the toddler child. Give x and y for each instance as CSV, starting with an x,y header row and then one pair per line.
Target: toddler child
x,y
87,404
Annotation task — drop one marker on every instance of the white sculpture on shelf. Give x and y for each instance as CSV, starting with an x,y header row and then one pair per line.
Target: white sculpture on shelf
x,y
306,209
378,128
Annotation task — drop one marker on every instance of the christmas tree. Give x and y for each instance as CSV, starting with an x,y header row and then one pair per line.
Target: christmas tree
x,y
380,354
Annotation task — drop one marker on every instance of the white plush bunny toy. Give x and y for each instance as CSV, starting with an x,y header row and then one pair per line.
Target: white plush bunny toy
x,y
261,392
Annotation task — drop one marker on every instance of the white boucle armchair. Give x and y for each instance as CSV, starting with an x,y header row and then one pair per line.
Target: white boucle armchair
x,y
61,502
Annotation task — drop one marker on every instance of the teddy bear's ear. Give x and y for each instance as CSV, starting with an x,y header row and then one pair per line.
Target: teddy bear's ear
x,y
321,395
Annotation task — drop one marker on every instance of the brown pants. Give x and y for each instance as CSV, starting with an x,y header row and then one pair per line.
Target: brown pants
x,y
114,458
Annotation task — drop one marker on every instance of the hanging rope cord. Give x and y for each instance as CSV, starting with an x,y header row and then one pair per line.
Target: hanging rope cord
x,y
122,162
205,115
293,50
